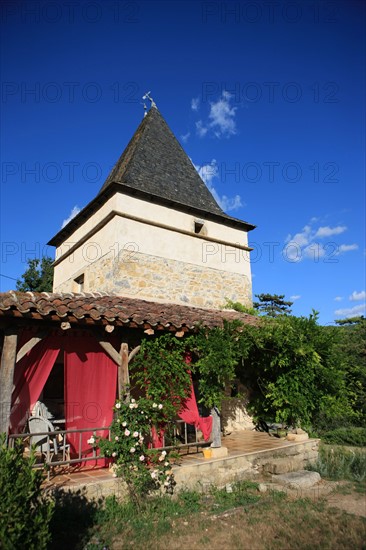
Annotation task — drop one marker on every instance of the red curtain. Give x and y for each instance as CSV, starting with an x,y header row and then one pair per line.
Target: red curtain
x,y
30,376
90,390
189,413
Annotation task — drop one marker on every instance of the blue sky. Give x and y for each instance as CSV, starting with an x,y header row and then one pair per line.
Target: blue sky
x,y
267,98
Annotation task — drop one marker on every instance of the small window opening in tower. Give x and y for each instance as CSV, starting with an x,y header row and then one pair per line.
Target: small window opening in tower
x,y
79,283
198,226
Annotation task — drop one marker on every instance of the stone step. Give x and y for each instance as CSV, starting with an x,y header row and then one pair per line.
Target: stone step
x,y
295,480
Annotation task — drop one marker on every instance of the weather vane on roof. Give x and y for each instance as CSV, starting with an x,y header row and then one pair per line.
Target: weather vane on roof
x,y
148,96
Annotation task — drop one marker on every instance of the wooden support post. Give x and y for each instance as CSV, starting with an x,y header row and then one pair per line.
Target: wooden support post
x,y
8,360
124,375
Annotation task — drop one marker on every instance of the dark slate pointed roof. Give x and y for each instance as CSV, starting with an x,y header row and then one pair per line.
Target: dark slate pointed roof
x,y
155,162
155,168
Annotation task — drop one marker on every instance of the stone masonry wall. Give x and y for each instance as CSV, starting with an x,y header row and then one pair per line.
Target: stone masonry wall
x,y
153,278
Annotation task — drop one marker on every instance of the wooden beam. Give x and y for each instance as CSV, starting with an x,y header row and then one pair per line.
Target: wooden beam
x,y
30,344
112,352
133,353
124,375
8,360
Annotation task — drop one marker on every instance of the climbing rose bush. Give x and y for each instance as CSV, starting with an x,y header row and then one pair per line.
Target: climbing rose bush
x,y
143,469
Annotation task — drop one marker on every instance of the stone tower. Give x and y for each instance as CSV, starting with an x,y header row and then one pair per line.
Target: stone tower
x,y
155,231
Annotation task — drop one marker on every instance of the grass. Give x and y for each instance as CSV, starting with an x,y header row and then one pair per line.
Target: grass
x,y
337,462
241,518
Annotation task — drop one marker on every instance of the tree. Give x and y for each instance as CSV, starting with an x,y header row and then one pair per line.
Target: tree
x,y
351,354
38,277
272,305
350,320
293,372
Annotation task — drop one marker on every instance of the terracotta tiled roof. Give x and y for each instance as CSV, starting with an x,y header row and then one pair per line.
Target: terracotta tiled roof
x,y
104,308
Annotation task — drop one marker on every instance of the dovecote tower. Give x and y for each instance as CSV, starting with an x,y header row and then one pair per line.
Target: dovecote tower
x,y
155,231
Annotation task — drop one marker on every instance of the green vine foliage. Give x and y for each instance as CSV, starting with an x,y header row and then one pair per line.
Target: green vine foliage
x,y
218,355
159,367
159,370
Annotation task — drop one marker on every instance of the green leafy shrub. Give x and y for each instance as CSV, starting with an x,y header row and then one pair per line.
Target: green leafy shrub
x,y
355,436
25,510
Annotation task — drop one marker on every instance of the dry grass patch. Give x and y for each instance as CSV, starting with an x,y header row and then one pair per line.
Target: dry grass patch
x,y
265,522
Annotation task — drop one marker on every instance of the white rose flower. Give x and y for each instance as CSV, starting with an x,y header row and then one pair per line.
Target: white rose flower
x,y
124,424
133,400
131,405
114,454
166,463
91,441
163,453
127,432
132,450
142,458
153,474
160,406
135,434
118,405
116,438
155,405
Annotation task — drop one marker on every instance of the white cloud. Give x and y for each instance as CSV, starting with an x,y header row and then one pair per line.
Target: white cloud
x,y
228,203
208,172
346,248
360,309
195,103
357,296
295,297
327,231
221,118
73,213
338,298
307,243
201,129
185,137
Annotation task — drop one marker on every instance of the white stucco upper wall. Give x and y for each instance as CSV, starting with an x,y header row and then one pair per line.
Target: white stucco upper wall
x,y
181,220
148,237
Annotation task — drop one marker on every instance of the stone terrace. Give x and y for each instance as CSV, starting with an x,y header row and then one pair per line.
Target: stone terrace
x,y
250,455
